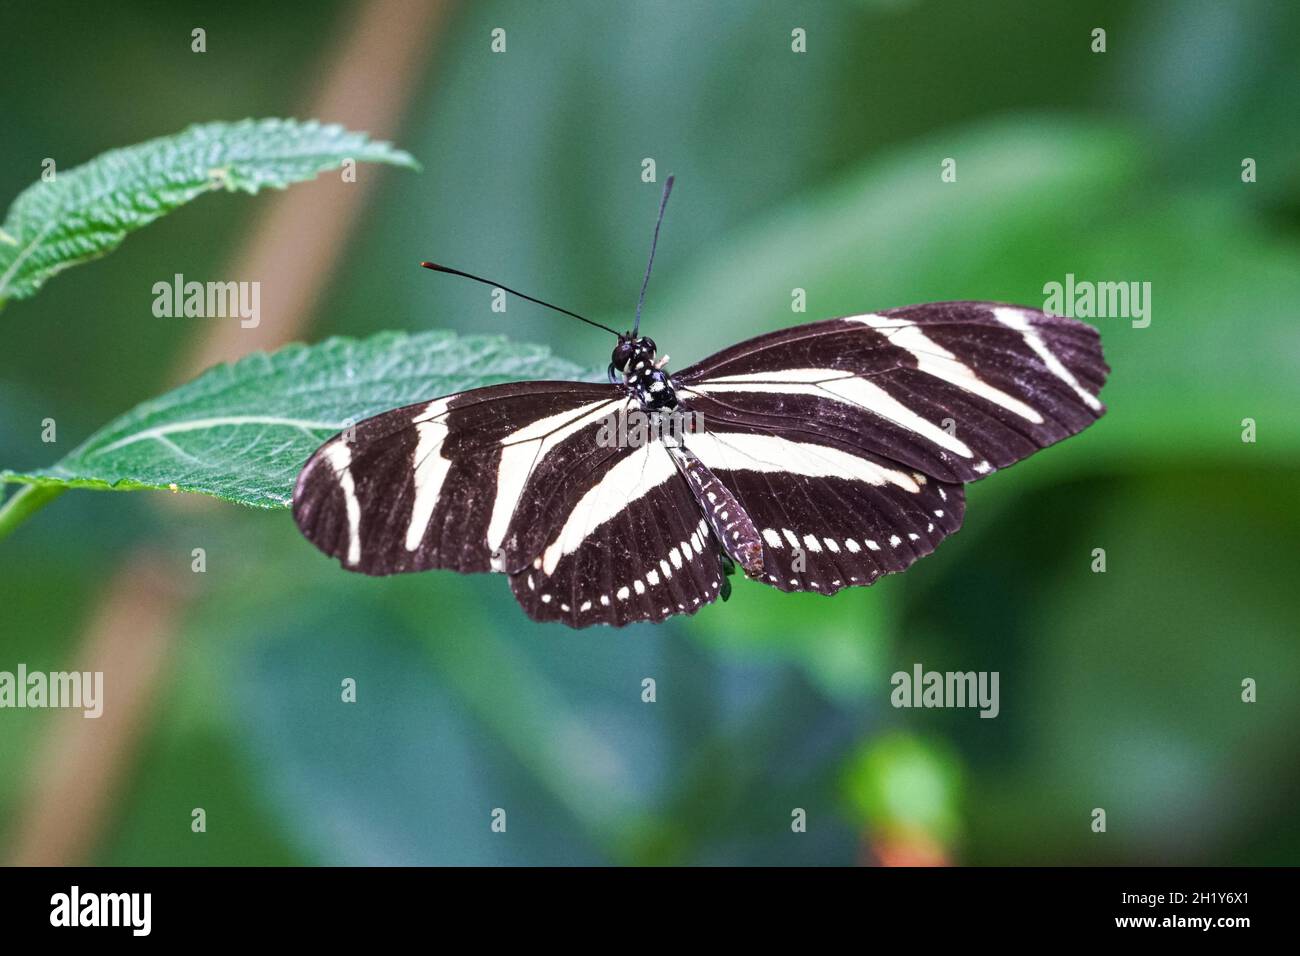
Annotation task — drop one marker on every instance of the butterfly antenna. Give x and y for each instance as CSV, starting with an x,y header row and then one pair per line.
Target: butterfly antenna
x,y
663,204
497,285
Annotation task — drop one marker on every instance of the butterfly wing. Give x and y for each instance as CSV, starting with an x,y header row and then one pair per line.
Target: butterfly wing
x,y
633,547
454,482
829,515
955,390
847,441
516,479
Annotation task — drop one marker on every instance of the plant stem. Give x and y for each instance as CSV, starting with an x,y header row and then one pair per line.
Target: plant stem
x,y
23,503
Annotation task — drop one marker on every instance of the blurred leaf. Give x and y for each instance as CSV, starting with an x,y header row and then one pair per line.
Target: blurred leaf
x,y
1125,686
464,701
444,729
86,212
837,640
889,232
406,774
905,792
242,432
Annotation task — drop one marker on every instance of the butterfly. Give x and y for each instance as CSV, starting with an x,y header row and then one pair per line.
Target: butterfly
x,y
812,459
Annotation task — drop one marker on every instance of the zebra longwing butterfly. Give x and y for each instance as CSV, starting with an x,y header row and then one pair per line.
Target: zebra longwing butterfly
x,y
823,457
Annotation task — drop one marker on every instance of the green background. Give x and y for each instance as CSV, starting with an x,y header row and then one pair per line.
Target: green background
x,y
820,171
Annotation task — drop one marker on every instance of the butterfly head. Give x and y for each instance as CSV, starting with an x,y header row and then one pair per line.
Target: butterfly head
x,y
631,351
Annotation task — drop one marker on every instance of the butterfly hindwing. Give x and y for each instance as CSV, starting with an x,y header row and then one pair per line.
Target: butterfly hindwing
x,y
633,547
829,515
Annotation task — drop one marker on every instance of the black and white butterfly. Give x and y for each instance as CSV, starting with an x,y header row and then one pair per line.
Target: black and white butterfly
x,y
830,454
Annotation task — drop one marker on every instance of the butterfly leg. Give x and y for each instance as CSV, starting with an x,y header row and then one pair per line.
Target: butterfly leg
x,y
728,569
731,524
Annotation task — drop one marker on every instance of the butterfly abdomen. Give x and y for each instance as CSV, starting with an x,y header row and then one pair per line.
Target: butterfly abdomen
x,y
731,523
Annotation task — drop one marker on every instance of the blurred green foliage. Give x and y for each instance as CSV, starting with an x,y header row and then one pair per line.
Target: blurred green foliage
x,y
1118,690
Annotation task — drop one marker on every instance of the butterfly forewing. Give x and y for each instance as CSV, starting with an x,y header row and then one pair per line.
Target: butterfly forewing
x,y
955,389
438,484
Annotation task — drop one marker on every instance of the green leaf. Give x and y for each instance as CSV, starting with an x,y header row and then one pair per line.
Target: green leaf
x,y
87,211
242,432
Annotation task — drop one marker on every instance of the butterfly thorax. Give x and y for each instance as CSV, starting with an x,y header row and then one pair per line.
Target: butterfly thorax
x,y
652,387
644,378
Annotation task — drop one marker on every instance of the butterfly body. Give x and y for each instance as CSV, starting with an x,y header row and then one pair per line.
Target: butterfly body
x,y
654,390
